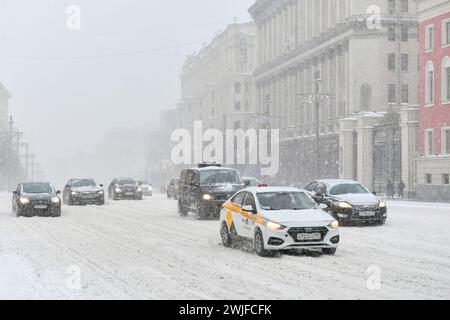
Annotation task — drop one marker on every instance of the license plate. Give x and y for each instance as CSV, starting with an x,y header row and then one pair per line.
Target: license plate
x,y
130,193
40,207
367,214
309,236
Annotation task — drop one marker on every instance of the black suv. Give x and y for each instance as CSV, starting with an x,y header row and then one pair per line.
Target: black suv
x,y
205,189
36,198
125,188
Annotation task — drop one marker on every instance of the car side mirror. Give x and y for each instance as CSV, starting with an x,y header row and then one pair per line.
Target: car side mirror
x,y
323,206
247,183
58,192
67,186
374,193
15,192
248,209
101,185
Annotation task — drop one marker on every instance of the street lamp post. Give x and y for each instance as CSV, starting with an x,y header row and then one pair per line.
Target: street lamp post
x,y
315,98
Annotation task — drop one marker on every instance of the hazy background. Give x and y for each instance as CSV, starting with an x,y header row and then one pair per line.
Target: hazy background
x,y
69,87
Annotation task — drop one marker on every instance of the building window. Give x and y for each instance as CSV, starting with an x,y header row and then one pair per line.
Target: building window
x,y
446,79
446,141
429,142
428,178
405,31
446,32
429,83
403,5
429,37
237,106
391,61
446,178
391,6
237,87
405,93
391,33
392,98
404,62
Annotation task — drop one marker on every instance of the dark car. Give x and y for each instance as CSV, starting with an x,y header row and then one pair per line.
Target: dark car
x,y
172,188
147,189
36,198
125,188
205,189
83,192
251,182
348,201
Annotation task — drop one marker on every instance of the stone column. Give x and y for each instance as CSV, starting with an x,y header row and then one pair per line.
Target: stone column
x,y
410,126
346,128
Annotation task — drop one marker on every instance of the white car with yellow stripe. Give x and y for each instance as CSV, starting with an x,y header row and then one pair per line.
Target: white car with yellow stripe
x,y
278,218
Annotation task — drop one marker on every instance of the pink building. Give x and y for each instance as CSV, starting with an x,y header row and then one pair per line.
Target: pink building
x,y
433,164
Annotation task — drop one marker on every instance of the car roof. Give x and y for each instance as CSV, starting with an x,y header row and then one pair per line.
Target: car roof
x,y
334,182
249,178
272,189
213,168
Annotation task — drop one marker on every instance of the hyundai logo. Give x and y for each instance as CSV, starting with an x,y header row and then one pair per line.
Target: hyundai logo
x,y
309,230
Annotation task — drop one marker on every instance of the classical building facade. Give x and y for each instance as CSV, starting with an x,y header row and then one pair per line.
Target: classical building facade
x,y
433,164
217,84
329,71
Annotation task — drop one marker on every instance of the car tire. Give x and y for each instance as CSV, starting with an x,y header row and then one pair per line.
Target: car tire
x,y
18,213
329,251
101,202
258,243
181,210
227,241
201,213
69,201
168,195
57,213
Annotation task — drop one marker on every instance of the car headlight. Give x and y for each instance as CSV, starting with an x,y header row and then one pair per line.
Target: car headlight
x,y
150,188
74,193
274,226
24,200
139,189
118,190
382,204
100,191
343,205
334,225
207,197
55,200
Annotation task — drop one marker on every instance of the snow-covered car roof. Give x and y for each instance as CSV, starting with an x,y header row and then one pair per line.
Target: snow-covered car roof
x,y
214,168
272,189
334,182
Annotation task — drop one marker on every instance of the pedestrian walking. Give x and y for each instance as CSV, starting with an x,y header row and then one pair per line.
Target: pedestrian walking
x,y
401,189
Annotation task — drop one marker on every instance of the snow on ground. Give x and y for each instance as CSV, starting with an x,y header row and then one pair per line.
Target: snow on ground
x,y
144,250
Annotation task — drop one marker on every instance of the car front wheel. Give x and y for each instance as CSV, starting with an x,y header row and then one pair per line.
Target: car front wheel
x,y
181,210
226,236
259,245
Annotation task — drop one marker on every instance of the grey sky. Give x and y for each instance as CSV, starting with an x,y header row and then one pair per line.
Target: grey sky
x,y
67,89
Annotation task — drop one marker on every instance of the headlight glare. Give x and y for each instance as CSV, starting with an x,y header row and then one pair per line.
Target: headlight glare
x,y
55,200
382,204
334,225
274,226
343,205
24,200
118,190
207,197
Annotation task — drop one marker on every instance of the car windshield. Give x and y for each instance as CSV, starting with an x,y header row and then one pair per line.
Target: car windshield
x,y
125,181
219,176
348,188
285,201
252,182
37,188
84,183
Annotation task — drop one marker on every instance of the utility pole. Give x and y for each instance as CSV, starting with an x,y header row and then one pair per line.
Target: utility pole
x,y
32,157
315,99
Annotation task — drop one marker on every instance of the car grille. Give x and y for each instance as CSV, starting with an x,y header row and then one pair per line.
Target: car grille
x,y
89,195
366,208
293,232
40,202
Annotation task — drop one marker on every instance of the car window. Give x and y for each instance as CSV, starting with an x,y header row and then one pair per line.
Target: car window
x,y
311,186
188,177
237,199
249,200
285,200
348,188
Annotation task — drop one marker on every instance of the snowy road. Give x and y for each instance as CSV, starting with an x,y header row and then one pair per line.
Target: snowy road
x,y
144,250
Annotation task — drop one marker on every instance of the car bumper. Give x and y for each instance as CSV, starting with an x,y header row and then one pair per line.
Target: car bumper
x,y
78,199
213,207
284,240
32,211
128,196
360,216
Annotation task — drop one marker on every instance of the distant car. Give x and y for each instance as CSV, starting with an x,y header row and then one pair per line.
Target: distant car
x,y
172,188
83,192
36,198
349,201
203,190
125,188
276,219
146,188
250,182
